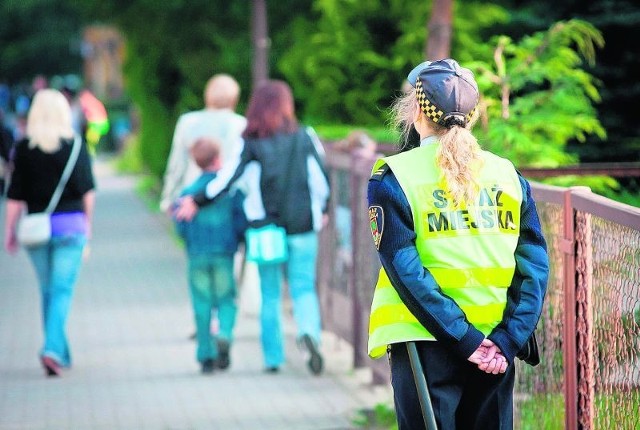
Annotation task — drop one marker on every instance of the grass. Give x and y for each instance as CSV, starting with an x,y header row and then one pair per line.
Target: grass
x,y
542,411
617,409
381,417
148,187
129,159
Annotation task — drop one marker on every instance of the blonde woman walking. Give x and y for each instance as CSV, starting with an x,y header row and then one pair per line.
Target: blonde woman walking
x,y
39,163
464,263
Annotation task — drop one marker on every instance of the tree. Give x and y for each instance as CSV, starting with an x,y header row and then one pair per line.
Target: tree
x,y
39,37
617,67
536,96
438,44
261,42
175,46
343,59
347,62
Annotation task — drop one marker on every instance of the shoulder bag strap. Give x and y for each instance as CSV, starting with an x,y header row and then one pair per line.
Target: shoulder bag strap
x,y
71,162
287,189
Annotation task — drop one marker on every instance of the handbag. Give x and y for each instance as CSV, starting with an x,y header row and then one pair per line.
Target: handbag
x,y
267,244
35,229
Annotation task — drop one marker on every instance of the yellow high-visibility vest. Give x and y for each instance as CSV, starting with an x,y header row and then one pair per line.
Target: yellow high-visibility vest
x,y
469,249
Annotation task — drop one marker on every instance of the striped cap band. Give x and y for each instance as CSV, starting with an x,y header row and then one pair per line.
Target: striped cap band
x,y
432,111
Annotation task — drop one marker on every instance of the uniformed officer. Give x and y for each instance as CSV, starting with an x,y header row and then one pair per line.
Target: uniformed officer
x,y
464,263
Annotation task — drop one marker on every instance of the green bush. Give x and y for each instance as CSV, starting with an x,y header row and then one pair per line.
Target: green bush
x,y
333,132
348,63
130,160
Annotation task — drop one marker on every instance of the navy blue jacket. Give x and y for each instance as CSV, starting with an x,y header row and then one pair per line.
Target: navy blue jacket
x,y
420,293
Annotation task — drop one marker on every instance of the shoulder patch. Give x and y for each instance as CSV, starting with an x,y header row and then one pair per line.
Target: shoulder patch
x,y
379,173
376,222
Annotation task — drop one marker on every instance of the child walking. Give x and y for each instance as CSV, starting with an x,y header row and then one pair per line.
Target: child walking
x,y
211,240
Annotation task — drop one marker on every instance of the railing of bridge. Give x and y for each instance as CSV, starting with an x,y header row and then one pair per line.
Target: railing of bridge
x,y
589,332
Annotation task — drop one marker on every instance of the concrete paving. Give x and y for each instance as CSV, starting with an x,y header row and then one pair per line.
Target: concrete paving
x,y
134,365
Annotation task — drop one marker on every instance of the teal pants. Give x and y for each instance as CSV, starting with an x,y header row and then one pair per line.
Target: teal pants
x,y
213,291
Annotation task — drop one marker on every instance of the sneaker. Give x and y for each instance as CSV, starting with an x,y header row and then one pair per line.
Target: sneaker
x,y
315,359
208,365
272,369
223,354
51,367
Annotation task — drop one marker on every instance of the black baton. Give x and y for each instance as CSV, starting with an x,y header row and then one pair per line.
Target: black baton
x,y
421,385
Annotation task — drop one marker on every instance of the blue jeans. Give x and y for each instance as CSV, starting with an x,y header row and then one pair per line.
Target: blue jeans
x,y
301,277
213,288
57,264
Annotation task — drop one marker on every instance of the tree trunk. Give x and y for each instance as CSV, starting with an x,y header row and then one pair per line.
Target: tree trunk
x,y
438,44
260,36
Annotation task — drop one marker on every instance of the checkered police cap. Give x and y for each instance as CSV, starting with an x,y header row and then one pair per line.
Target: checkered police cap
x,y
447,93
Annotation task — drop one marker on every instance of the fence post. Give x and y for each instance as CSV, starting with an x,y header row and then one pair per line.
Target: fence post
x,y
567,246
584,317
578,336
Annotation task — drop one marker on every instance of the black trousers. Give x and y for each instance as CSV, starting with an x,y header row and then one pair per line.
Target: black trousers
x,y
463,397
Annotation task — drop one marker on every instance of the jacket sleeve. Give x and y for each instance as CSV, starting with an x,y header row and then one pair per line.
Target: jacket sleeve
x,y
19,178
415,285
529,285
318,180
240,222
317,152
82,179
230,172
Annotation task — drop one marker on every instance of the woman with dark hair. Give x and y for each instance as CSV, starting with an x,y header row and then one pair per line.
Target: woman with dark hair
x,y
292,192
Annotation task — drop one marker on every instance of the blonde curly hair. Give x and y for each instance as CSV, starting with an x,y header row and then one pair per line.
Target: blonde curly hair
x,y
458,153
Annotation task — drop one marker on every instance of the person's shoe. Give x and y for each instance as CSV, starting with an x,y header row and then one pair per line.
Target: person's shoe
x,y
272,369
315,359
51,367
208,365
223,354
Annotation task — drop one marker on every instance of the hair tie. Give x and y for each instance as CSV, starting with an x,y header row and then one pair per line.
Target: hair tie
x,y
452,119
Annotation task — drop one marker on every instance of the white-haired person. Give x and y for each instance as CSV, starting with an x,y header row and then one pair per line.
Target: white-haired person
x,y
217,120
39,162
464,262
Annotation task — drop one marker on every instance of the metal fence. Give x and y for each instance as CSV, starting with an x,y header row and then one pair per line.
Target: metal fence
x,y
589,332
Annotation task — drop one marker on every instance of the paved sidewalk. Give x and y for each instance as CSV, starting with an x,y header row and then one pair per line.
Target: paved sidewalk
x,y
134,366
